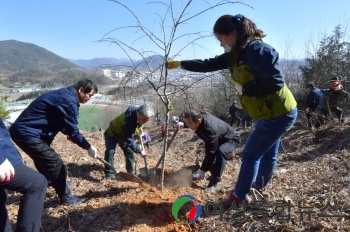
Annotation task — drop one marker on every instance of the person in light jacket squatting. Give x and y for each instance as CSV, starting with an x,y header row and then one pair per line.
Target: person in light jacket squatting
x,y
263,94
16,176
36,127
121,131
220,140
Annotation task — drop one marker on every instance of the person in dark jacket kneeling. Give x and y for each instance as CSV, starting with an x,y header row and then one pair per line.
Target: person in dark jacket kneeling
x,y
220,140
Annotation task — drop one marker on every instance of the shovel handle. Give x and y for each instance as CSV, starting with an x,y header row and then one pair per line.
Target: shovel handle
x,y
108,164
144,157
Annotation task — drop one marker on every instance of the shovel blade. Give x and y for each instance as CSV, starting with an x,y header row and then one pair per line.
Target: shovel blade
x,y
129,177
123,175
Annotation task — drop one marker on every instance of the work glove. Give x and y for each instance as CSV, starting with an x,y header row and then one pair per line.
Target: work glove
x,y
307,110
173,64
199,174
92,151
7,172
239,88
143,153
179,125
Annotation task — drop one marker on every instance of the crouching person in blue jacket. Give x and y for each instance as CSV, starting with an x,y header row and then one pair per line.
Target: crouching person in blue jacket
x,y
36,127
16,176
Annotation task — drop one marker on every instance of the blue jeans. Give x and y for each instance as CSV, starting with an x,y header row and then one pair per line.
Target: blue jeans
x,y
260,152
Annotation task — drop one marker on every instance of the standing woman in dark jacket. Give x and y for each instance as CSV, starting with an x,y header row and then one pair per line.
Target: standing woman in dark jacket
x,y
36,127
16,176
263,94
220,140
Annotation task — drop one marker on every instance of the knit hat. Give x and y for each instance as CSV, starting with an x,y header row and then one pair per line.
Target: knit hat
x,y
335,78
310,84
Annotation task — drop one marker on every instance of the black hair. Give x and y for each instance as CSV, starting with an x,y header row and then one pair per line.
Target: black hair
x,y
193,114
87,85
245,28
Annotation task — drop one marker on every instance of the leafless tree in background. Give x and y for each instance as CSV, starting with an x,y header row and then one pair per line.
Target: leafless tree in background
x,y
154,81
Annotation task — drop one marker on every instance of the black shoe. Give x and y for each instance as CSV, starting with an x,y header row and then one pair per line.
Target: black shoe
x,y
132,172
70,199
109,177
68,183
212,187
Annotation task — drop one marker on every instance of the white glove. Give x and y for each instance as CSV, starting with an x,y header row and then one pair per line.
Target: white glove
x,y
92,151
239,87
307,109
7,172
143,153
140,131
179,125
199,174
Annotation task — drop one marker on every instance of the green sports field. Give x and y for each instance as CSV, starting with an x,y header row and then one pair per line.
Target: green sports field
x,y
89,117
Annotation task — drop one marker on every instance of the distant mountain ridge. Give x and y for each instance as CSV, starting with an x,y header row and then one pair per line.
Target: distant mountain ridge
x,y
117,64
17,56
99,62
25,64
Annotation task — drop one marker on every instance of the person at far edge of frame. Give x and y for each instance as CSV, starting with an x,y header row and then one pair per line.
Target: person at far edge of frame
x,y
233,111
17,177
313,101
263,94
220,141
36,127
331,100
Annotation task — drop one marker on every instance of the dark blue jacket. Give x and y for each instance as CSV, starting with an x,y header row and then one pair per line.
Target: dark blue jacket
x,y
313,99
259,57
7,149
214,132
49,114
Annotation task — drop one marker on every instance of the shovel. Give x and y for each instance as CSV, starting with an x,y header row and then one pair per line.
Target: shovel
x,y
144,157
123,175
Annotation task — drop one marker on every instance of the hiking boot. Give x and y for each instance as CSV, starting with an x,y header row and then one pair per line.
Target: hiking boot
x,y
236,200
70,199
212,187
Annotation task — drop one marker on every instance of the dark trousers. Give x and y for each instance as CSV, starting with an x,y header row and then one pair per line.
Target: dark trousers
x,y
216,163
247,121
48,163
325,115
308,117
111,144
235,118
32,185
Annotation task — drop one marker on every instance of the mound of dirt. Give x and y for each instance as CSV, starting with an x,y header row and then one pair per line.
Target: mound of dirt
x,y
304,173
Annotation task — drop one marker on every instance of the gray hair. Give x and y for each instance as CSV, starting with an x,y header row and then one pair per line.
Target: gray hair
x,y
145,111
